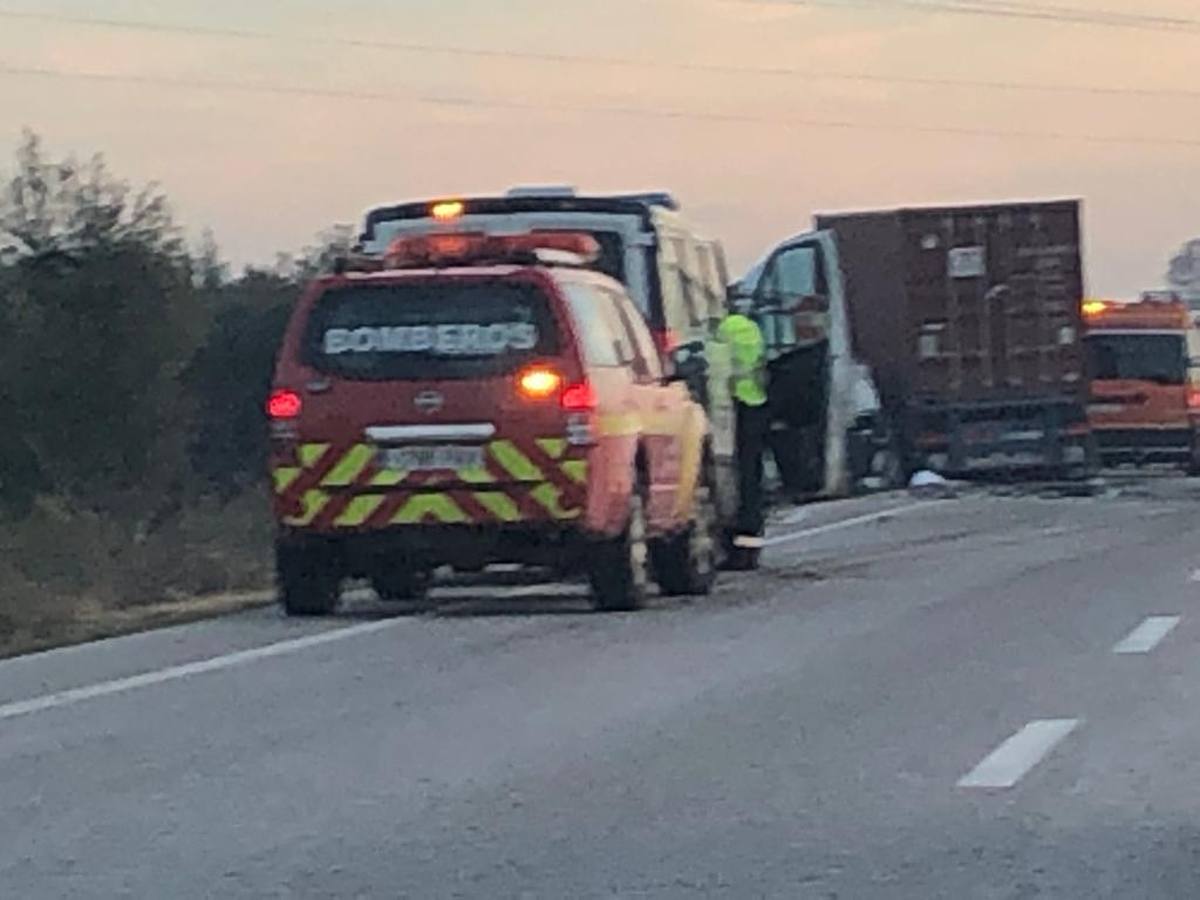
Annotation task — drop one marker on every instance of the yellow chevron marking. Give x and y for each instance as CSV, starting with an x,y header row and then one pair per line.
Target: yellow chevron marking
x,y
502,506
477,475
349,467
388,478
516,463
691,461
553,447
439,505
550,498
576,470
359,510
314,502
310,454
284,477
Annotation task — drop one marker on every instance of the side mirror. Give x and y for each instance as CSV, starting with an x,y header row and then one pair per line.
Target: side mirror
x,y
686,363
734,293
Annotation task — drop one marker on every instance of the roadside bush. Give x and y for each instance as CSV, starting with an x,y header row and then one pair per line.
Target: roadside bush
x,y
132,379
98,315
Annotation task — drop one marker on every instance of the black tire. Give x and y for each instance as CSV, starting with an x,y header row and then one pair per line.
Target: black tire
x,y
686,564
1192,468
888,466
307,580
403,587
884,472
619,570
743,559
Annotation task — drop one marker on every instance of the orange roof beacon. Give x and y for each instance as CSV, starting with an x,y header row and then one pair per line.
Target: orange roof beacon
x,y
1144,403
465,400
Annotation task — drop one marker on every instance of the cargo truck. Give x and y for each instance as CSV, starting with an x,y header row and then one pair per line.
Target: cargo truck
x,y
933,338
1145,386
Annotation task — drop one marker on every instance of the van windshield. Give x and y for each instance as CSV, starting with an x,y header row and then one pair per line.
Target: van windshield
x,y
611,261
429,329
1161,358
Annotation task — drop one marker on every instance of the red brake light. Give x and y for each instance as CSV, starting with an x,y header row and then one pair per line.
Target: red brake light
x,y
284,404
666,340
579,397
1193,397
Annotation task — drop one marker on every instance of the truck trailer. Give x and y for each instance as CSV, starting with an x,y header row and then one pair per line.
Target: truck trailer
x,y
963,324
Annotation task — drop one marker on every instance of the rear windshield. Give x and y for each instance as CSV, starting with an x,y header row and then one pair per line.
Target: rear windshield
x,y
612,255
1161,358
439,329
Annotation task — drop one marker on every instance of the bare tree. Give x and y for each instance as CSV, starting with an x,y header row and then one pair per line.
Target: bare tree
x,y
1184,272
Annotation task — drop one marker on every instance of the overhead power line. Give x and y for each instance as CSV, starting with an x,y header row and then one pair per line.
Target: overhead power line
x,y
1057,13
466,101
614,61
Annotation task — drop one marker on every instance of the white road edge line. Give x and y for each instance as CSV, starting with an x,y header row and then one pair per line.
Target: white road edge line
x,y
1148,635
845,523
200,667
795,517
1012,760
282,648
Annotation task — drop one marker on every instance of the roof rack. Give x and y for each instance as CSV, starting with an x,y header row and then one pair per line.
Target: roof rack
x,y
520,200
526,192
651,198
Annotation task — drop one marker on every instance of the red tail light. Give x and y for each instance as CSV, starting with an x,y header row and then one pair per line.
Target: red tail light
x,y
1193,396
579,397
666,340
284,404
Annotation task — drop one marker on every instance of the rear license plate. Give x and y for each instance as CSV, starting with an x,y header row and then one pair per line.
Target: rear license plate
x,y
430,459
981,434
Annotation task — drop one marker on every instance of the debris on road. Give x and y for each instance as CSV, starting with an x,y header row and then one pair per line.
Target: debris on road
x,y
931,486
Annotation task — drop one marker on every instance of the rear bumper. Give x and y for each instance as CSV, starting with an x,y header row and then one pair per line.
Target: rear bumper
x,y
1145,444
358,554
967,440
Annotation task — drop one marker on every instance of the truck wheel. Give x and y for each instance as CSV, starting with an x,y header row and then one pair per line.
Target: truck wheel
x,y
403,586
307,580
744,559
686,563
619,571
1193,464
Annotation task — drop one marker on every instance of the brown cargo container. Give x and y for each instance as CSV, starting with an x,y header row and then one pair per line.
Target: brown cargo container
x,y
970,318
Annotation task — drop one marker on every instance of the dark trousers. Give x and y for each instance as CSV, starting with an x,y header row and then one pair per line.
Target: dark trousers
x,y
752,424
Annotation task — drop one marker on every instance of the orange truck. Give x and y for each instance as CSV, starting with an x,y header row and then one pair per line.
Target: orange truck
x,y
1144,404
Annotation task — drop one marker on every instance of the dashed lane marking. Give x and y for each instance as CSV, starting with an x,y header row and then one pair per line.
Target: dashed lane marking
x,y
1012,760
1147,636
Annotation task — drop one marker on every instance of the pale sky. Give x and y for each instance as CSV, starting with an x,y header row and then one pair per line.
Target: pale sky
x,y
267,171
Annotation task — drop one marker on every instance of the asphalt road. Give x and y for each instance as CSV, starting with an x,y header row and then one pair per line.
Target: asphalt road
x,y
958,698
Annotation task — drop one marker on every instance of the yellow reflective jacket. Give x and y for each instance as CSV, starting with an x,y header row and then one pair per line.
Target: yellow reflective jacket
x,y
748,351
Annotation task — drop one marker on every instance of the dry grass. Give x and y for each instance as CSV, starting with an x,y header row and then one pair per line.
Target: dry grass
x,y
67,576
